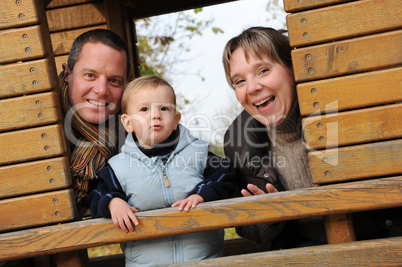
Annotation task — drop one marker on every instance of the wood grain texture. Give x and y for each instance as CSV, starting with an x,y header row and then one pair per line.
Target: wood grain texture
x,y
59,62
36,210
21,44
34,177
17,14
344,21
353,127
60,3
347,57
74,17
354,162
32,144
380,252
350,92
297,5
318,201
29,111
339,228
62,41
26,78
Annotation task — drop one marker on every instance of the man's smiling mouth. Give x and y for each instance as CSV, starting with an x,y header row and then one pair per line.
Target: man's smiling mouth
x,y
98,103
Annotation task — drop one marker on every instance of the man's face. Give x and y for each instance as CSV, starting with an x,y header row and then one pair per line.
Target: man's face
x,y
97,82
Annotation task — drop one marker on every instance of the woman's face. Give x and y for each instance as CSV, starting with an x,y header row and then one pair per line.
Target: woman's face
x,y
266,89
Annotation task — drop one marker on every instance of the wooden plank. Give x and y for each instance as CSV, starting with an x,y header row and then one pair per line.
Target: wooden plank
x,y
34,177
117,18
269,208
32,144
377,252
29,111
347,57
353,127
76,16
339,228
21,44
350,92
349,20
26,78
18,13
61,3
62,41
297,5
144,9
36,210
59,62
354,162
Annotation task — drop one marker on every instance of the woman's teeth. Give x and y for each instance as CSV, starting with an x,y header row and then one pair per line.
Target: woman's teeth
x,y
97,103
263,102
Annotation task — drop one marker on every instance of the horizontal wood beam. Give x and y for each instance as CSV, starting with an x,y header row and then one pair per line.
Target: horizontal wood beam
x,y
381,252
338,22
269,208
347,57
356,162
353,127
144,9
350,92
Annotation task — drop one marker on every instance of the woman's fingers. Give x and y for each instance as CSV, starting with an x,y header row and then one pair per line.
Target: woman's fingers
x,y
256,191
270,188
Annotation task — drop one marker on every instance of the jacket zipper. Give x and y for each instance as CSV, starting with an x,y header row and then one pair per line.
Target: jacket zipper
x,y
165,178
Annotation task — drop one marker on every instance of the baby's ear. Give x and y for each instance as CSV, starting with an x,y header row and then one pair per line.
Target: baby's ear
x,y
125,120
177,118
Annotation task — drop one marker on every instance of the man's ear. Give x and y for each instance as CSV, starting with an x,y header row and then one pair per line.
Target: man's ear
x,y
125,120
177,118
67,72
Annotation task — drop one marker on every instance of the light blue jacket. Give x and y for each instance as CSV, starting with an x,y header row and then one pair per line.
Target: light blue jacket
x,y
149,184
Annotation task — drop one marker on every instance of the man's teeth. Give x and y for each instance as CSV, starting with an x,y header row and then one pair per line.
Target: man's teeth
x,y
263,101
97,103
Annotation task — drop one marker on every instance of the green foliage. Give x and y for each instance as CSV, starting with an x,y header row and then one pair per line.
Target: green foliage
x,y
163,40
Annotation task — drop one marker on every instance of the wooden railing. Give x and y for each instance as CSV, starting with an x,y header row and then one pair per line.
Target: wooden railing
x,y
347,64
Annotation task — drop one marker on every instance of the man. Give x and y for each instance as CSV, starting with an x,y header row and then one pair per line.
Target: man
x,y
92,84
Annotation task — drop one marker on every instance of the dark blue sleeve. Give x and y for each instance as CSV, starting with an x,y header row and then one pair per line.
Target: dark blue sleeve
x,y
219,179
100,194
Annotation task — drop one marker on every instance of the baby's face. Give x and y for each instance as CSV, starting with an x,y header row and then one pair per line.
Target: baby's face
x,y
151,115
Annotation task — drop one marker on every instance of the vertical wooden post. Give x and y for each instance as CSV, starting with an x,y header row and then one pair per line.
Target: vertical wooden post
x,y
339,228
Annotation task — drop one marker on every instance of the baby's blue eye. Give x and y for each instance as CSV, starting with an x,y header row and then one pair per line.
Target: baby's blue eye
x,y
164,109
144,109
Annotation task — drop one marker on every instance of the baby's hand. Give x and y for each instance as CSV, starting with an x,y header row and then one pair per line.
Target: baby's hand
x,y
188,203
122,214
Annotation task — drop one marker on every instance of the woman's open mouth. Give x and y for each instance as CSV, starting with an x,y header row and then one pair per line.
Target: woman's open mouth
x,y
265,103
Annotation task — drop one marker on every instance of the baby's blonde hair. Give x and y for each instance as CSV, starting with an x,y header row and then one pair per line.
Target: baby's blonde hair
x,y
140,83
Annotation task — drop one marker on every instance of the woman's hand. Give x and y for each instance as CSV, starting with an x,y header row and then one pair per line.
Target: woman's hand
x,y
122,214
256,191
189,202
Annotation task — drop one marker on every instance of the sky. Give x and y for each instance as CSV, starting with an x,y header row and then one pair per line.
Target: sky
x,y
213,104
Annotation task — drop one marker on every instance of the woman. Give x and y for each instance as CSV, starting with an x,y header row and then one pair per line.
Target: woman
x,y
265,141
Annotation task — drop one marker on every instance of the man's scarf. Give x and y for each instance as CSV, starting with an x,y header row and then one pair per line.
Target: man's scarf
x,y
93,145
